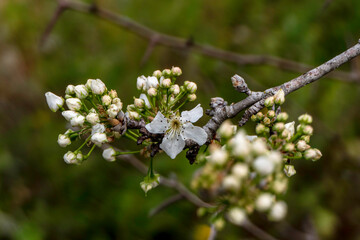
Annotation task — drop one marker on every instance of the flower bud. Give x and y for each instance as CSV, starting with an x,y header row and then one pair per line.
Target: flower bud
x,y
318,154
285,134
99,138
139,103
77,121
165,83
54,102
269,102
118,103
68,115
166,72
175,89
152,82
192,97
260,116
289,147
190,86
282,117
289,170
275,157
231,182
81,91
146,100
302,146
264,202
280,186
74,104
279,127
218,157
226,129
176,71
106,100
152,92
96,86
113,110
240,170
260,129
278,211
141,83
70,158
307,130
93,118
305,119
79,157
67,96
63,140
113,93
267,121
259,146
70,89
306,138
150,183
98,128
134,115
310,154
236,216
271,114
109,154
263,165
157,73
254,118
279,97
219,224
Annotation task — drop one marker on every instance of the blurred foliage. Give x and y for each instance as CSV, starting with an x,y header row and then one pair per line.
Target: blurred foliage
x,y
43,198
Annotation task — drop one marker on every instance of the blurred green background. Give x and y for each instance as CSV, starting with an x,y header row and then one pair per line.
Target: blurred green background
x,y
43,198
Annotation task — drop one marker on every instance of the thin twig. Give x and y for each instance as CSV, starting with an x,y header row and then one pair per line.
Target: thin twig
x,y
256,231
213,233
182,43
165,204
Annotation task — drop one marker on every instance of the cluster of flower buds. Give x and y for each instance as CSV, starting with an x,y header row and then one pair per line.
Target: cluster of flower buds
x,y
237,172
282,136
92,110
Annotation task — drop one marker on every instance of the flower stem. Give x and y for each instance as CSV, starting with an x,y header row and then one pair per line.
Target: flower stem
x,y
124,153
82,145
92,149
130,137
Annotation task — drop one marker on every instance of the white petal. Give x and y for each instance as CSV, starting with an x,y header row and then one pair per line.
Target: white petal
x,y
172,146
193,115
158,125
194,133
146,100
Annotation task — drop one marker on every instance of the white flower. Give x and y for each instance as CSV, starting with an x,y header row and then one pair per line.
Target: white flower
x,y
78,120
93,118
81,91
305,119
290,127
176,71
68,115
134,115
152,82
278,211
263,165
98,128
231,182
54,102
70,158
141,83
96,86
113,110
240,145
236,215
146,100
106,100
109,154
218,156
157,73
99,139
74,104
310,154
240,170
138,102
259,146
280,186
264,202
275,157
118,103
70,89
113,93
302,146
227,129
177,130
63,140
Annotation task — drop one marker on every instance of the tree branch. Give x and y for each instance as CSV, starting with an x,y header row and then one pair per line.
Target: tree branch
x,y
165,204
182,43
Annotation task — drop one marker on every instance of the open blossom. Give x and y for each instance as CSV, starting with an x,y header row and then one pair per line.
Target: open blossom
x,y
177,129
55,102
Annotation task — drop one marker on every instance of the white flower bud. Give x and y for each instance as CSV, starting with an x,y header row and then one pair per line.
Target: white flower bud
x,y
289,147
236,216
109,154
305,119
166,72
269,102
99,139
141,83
134,115
118,103
68,96
259,146
70,158
263,165
290,127
175,89
149,184
190,86
285,134
218,156
240,145
282,117
113,111
113,93
310,154
152,82
302,146
275,157
54,102
279,127
279,97
93,118
74,104
70,89
306,138
139,103
98,128
78,120
231,182
260,129
68,115
63,140
192,97
96,86
165,83
152,92
81,91
307,130
264,202
79,157
157,73
280,186
289,170
226,129
146,100
318,154
240,170
106,100
176,71
270,113
278,211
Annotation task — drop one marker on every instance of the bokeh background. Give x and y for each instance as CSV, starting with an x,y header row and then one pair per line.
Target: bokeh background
x,y
43,198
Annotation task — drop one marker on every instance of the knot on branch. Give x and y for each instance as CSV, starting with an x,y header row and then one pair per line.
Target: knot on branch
x,y
193,150
240,85
215,104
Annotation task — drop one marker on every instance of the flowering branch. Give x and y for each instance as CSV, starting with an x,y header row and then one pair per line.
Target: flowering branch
x,y
157,38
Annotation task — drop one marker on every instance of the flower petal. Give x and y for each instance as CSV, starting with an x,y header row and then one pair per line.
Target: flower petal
x,y
194,133
172,146
158,125
193,115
